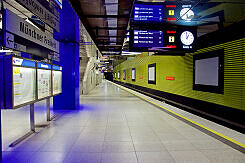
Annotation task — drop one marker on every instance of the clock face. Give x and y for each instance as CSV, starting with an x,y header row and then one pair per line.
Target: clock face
x,y
187,38
186,14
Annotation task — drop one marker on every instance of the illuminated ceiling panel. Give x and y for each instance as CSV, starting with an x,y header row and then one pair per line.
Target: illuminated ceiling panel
x,y
112,9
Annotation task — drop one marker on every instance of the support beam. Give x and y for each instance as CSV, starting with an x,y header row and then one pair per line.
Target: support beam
x,y
106,16
107,42
108,36
109,28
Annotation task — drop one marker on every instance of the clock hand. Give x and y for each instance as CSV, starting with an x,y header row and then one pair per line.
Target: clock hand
x,y
187,36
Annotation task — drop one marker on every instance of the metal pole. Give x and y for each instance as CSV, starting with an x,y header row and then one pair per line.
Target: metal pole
x,y
48,115
32,117
48,109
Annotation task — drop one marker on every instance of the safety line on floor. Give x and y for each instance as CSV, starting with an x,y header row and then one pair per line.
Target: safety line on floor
x,y
225,139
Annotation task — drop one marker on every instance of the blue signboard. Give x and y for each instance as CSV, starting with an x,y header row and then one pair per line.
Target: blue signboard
x,y
23,62
58,68
152,13
43,65
147,38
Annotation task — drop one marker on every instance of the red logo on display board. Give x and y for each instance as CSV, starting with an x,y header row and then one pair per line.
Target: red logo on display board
x,y
171,46
141,77
170,78
171,31
171,19
172,6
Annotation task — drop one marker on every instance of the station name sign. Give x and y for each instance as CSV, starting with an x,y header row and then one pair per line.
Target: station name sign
x,y
22,28
45,15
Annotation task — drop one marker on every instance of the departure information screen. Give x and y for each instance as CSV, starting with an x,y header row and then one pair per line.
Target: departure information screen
x,y
148,12
148,38
164,12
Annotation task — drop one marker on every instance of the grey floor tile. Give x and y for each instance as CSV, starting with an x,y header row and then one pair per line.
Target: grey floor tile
x,y
56,147
149,146
209,144
154,157
88,137
189,156
197,135
176,145
83,158
226,155
118,137
129,157
48,157
171,137
87,147
118,147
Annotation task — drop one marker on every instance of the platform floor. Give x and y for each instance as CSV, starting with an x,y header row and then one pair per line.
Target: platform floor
x,y
114,126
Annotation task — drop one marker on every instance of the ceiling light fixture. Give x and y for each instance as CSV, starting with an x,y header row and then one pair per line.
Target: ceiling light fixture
x,y
130,53
27,19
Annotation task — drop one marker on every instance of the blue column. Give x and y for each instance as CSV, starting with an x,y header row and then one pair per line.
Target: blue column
x,y
1,81
69,58
1,99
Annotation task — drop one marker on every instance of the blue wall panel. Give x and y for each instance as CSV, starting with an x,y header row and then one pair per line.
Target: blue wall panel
x,y
8,81
25,55
1,100
69,58
1,82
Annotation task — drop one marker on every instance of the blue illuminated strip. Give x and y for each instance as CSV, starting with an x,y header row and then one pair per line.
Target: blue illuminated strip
x,y
23,62
59,68
59,3
43,65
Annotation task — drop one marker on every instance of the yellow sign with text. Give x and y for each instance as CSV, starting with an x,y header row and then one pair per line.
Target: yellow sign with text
x,y
16,71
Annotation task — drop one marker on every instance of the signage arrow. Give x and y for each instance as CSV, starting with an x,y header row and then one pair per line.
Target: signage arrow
x,y
9,41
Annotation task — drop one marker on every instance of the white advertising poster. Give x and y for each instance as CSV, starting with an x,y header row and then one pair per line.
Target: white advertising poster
x,y
115,75
133,74
151,73
57,82
118,75
24,80
124,75
207,71
44,83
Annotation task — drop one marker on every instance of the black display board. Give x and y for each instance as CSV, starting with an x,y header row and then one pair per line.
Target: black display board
x,y
162,38
162,27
